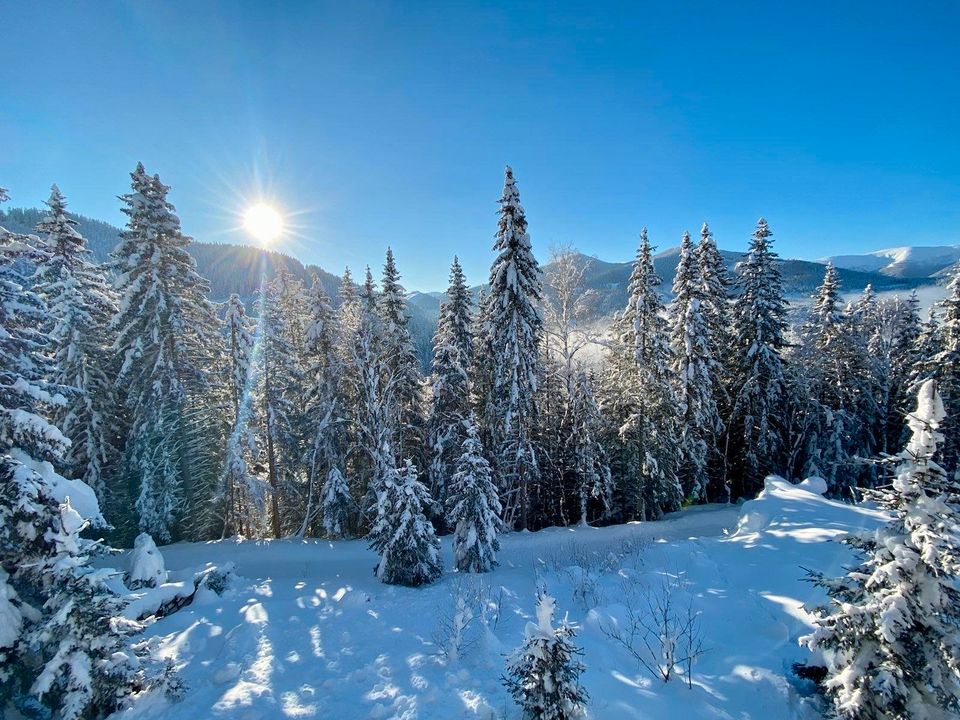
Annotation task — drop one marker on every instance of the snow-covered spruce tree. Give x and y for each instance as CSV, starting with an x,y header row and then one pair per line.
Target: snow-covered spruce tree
x,y
715,288
840,393
619,403
588,458
63,643
515,333
928,345
281,377
165,330
372,418
241,492
348,401
823,448
696,375
716,310
644,337
450,400
543,674
904,338
944,366
81,303
473,507
867,371
754,436
402,535
402,366
324,445
554,497
891,632
889,328
481,369
337,505
874,325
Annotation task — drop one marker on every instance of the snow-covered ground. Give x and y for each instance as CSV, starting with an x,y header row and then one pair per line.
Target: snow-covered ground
x,y
307,631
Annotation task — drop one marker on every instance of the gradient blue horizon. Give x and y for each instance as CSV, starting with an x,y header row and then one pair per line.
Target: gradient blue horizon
x,y
376,124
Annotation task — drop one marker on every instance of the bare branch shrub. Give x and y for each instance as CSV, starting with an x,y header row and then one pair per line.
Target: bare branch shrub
x,y
661,628
473,601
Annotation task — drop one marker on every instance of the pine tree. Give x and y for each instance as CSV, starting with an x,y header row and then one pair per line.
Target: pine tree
x,y
82,303
401,365
515,334
869,394
281,377
373,390
348,400
903,355
481,370
450,400
715,282
63,639
841,395
323,442
754,442
643,337
588,457
894,343
543,674
402,535
716,310
891,632
241,493
473,507
619,403
696,374
337,505
165,332
929,342
944,366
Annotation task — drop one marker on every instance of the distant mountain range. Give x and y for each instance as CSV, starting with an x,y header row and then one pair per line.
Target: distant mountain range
x,y
902,262
241,269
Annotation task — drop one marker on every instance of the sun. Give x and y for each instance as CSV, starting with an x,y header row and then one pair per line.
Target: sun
x,y
263,222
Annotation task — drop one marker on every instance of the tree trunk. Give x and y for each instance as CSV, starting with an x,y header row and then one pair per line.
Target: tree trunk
x,y
272,462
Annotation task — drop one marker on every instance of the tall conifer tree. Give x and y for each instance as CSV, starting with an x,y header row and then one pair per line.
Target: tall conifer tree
x,y
165,331
515,335
755,443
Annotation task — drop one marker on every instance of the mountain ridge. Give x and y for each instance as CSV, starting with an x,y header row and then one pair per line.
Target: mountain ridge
x,y
242,268
907,261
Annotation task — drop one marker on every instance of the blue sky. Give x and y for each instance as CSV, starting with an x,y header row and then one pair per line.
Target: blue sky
x,y
375,124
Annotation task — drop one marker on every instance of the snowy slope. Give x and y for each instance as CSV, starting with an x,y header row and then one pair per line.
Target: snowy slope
x,y
310,633
901,262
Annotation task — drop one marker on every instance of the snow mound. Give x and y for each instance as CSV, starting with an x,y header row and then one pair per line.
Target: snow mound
x,y
815,485
800,511
146,567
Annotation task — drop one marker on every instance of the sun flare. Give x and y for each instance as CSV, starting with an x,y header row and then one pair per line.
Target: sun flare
x,y
263,222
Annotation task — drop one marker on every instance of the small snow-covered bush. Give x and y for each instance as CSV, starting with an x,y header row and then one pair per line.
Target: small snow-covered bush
x,y
217,578
337,505
543,674
474,508
147,568
402,534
